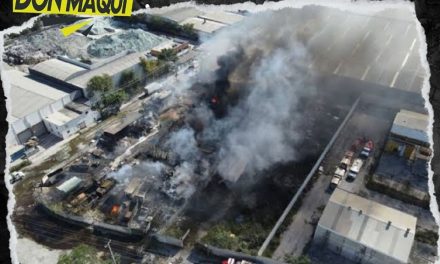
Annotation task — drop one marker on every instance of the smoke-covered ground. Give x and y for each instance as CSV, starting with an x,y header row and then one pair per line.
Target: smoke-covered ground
x,y
258,121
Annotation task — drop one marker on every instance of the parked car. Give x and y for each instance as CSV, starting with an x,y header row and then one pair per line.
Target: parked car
x,y
355,168
367,149
337,177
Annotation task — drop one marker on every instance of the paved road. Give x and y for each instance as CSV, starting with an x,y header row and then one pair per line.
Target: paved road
x,y
378,49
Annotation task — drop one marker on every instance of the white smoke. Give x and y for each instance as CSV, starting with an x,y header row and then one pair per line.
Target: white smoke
x,y
144,169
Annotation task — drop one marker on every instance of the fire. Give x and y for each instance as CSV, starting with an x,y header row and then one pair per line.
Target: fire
x,y
115,209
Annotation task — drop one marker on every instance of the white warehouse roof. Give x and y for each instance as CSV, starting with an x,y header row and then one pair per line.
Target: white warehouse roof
x,y
61,117
58,69
111,68
178,15
411,125
28,95
203,25
369,223
223,17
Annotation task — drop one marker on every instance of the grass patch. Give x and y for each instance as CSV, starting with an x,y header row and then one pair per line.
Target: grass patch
x,y
245,237
175,231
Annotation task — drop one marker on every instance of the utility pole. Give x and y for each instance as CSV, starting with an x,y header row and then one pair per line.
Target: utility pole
x,y
111,251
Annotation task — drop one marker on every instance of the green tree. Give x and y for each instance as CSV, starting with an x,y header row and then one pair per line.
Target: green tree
x,y
149,66
128,81
100,84
82,254
113,98
188,28
167,55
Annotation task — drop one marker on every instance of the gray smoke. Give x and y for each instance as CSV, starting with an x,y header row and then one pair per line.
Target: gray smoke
x,y
262,129
144,169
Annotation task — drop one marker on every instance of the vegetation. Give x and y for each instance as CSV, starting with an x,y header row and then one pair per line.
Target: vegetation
x,y
154,68
244,237
289,259
167,55
427,236
188,29
83,254
107,101
100,84
129,82
20,165
158,23
114,98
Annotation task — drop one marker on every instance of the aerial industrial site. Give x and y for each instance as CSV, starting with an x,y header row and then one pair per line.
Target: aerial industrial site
x,y
184,135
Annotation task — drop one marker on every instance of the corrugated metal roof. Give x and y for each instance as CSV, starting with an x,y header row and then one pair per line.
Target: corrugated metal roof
x,y
28,95
411,125
111,68
223,17
58,69
203,25
369,223
61,117
180,14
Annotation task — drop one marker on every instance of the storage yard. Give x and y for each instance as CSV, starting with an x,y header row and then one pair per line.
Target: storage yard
x,y
210,152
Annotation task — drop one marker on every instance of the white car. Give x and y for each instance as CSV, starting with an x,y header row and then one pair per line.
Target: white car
x,y
355,168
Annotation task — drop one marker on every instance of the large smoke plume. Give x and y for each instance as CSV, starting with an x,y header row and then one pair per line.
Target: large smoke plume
x,y
253,72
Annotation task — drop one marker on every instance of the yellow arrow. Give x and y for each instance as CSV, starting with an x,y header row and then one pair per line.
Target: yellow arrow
x,y
72,28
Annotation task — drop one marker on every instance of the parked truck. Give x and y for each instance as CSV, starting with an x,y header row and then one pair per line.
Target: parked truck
x,y
346,160
337,177
355,168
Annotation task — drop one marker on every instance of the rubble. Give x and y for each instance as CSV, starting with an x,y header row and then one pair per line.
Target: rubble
x,y
129,40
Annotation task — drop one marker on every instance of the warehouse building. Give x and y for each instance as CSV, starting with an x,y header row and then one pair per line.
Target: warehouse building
x,y
403,166
39,107
205,23
365,231
408,136
114,67
31,101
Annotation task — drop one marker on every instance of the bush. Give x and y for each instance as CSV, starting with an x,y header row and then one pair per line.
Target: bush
x,y
154,68
100,84
114,98
20,165
245,237
167,55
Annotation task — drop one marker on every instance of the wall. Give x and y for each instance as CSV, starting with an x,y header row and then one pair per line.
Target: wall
x,y
350,249
32,119
85,119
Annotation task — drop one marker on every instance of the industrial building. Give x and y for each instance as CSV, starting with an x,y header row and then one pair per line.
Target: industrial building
x,y
408,136
365,231
403,166
39,107
205,23
52,98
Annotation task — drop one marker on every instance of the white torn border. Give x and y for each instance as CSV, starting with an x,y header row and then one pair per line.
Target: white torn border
x,y
360,7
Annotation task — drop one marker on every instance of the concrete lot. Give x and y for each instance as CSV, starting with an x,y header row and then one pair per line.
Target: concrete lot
x,y
373,123
378,49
